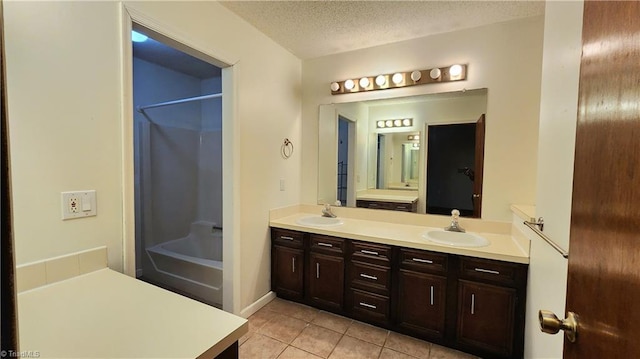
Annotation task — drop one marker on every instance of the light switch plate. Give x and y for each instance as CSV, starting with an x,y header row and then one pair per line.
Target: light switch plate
x,y
78,204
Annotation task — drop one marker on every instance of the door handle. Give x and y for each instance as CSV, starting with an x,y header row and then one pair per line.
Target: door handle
x,y
550,324
475,195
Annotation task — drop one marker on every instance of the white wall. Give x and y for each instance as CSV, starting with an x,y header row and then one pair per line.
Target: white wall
x,y
505,58
63,83
64,91
558,118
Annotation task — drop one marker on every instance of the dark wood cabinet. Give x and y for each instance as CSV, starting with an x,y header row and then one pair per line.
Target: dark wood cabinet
x,y
491,307
287,264
392,206
470,304
325,274
486,317
422,303
288,269
422,293
369,282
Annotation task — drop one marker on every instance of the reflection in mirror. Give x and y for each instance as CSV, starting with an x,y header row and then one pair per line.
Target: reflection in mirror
x,y
389,166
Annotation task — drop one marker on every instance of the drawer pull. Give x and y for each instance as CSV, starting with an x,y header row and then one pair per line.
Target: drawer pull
x,y
486,271
473,303
431,295
287,238
325,244
368,305
364,251
293,264
317,270
420,260
368,276
401,207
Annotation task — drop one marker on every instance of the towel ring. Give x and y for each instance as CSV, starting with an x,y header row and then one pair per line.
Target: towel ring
x,y
287,148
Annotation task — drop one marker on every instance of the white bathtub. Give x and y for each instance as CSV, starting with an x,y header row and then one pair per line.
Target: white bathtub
x,y
192,264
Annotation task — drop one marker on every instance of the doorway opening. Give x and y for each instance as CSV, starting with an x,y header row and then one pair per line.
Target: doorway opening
x,y
452,159
178,163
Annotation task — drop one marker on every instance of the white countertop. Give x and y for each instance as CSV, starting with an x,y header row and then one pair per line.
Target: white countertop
x,y
106,314
502,247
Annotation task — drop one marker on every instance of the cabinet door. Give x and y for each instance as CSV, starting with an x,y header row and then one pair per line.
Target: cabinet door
x,y
486,317
288,272
326,281
421,303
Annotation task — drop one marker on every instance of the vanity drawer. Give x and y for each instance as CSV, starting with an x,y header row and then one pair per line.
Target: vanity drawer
x,y
373,204
423,261
287,238
320,243
371,253
403,207
492,271
370,307
370,277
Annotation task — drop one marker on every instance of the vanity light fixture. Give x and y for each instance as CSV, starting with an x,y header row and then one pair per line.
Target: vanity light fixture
x,y
413,137
456,72
349,84
400,122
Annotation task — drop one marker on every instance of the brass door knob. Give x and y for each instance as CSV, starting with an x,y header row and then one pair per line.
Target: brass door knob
x,y
550,324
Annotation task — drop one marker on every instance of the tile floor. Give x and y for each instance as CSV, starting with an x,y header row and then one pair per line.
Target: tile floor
x,y
287,330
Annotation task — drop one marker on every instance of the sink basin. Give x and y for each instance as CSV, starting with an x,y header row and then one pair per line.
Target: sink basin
x,y
456,239
319,221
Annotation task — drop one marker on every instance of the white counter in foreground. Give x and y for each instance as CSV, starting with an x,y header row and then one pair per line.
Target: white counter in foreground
x,y
106,314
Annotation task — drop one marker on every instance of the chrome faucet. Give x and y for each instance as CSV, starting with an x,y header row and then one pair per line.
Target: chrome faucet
x,y
454,226
326,211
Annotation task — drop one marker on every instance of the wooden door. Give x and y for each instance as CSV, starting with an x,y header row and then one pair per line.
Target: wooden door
x,y
604,260
479,164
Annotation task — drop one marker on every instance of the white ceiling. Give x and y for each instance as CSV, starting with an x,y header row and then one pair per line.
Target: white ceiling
x,y
310,29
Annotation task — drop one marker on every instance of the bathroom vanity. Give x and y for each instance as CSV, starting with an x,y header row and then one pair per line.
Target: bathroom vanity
x,y
468,299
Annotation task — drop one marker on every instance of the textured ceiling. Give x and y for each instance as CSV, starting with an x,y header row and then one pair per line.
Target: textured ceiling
x,y
310,29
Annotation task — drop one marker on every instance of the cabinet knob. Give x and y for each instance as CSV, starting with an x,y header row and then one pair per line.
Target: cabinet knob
x,y
550,324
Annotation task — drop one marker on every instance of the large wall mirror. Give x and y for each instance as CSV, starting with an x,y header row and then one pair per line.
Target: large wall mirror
x,y
430,163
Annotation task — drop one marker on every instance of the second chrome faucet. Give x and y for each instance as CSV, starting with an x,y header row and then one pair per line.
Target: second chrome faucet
x,y
454,226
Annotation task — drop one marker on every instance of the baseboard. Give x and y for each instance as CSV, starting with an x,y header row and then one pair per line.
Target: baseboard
x,y
257,305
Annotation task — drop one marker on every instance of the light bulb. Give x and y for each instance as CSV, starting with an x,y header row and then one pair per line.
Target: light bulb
x,y
435,73
380,124
349,84
138,37
406,122
389,123
397,78
416,137
335,86
381,80
364,82
397,123
416,75
455,70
